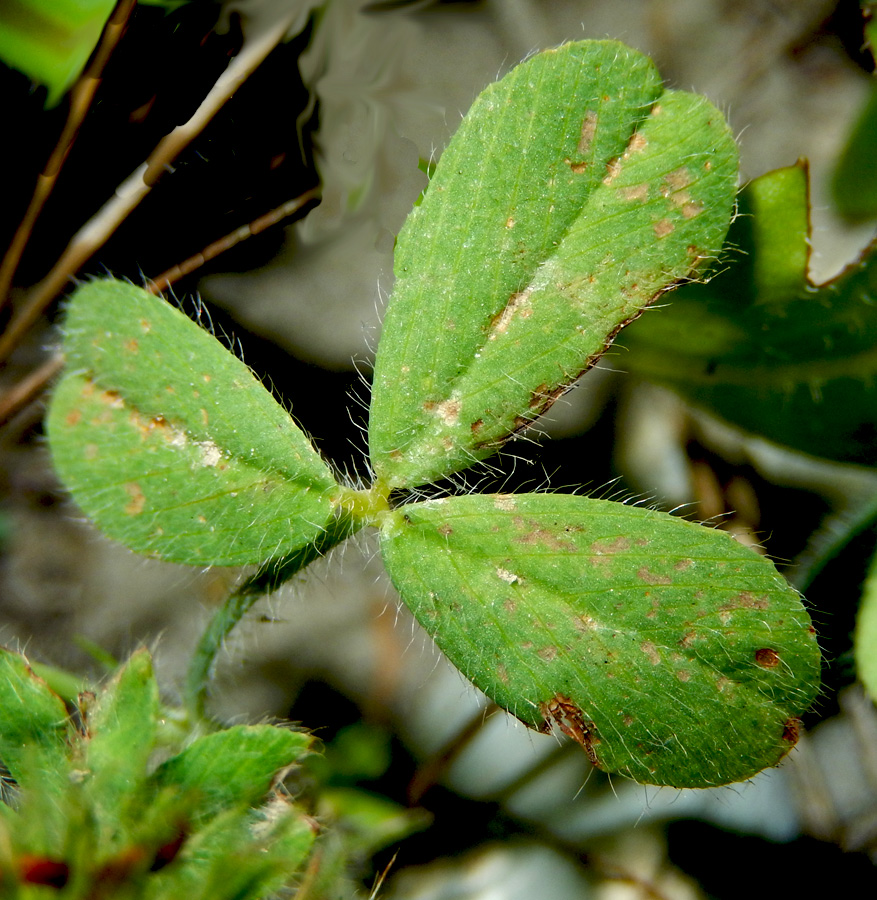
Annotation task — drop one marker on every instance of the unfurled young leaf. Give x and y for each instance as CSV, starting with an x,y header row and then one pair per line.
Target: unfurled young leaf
x,y
171,445
673,654
576,190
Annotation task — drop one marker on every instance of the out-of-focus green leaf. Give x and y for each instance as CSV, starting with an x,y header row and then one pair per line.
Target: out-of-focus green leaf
x,y
171,445
855,178
575,191
673,654
121,728
51,40
798,367
370,822
865,638
33,722
233,767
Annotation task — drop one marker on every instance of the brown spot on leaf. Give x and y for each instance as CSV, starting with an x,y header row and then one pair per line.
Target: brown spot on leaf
x,y
476,426
584,623
767,658
637,192
663,227
547,653
677,180
506,576
145,326
502,674
683,564
577,168
616,545
651,651
682,675
691,209
586,137
746,600
509,222
74,417
649,577
138,499
505,502
535,534
613,170
445,530
448,411
688,638
518,305
132,346
792,731
561,711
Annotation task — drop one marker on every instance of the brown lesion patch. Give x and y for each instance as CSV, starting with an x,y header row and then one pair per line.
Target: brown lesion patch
x,y
586,136
584,623
767,658
651,651
663,227
535,534
746,600
518,305
577,168
138,499
549,653
563,713
677,180
73,418
132,346
615,545
649,577
791,731
448,411
636,193
613,170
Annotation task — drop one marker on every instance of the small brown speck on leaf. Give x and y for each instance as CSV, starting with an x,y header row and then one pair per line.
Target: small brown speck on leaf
x,y
767,658
663,227
138,499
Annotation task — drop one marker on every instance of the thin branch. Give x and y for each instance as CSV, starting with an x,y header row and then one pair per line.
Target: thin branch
x,y
81,97
265,221
29,388
95,233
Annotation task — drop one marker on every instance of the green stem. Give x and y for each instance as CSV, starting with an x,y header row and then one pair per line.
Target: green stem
x,y
272,574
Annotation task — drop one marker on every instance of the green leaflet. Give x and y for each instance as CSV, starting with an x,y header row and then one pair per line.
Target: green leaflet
x,y
122,730
233,767
865,638
575,191
762,347
171,445
33,723
672,653
51,40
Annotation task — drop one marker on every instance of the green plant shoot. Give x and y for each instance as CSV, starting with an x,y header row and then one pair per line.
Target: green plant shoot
x,y
576,192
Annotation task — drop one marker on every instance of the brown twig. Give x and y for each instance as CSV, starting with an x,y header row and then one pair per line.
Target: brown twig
x,y
29,388
94,233
265,221
81,97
